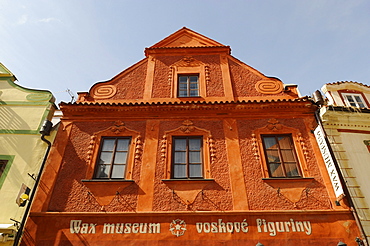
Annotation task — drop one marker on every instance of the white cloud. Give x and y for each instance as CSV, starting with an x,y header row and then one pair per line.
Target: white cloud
x,y
47,20
23,20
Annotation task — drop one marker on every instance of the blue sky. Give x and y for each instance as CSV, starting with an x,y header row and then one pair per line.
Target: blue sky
x,y
59,45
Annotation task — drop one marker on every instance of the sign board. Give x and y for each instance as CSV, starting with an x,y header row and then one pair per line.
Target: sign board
x,y
329,163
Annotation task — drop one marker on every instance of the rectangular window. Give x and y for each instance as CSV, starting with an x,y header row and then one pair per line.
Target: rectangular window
x,y
354,100
112,159
188,85
280,156
2,166
187,160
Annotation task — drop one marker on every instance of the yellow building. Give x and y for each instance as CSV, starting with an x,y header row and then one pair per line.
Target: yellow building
x,y
346,120
22,151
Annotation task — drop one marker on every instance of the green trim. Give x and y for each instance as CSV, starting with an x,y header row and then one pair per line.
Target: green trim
x,y
9,131
24,103
10,159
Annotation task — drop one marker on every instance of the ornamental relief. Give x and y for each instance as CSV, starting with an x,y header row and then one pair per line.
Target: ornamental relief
x,y
273,126
118,129
188,127
104,91
269,86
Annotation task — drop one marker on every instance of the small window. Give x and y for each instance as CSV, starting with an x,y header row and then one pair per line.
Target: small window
x,y
2,166
112,159
280,156
187,160
188,85
354,100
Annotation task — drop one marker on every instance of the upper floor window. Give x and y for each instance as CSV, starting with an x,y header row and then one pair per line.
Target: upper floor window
x,y
280,156
112,158
354,100
187,157
188,85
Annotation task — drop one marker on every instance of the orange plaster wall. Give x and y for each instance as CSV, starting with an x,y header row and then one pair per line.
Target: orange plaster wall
x,y
244,80
216,196
70,194
262,196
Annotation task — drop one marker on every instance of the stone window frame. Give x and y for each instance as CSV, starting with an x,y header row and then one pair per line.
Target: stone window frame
x,y
275,128
118,130
187,129
281,158
189,66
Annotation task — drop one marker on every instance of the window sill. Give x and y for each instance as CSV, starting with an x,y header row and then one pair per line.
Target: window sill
x,y
288,182
187,181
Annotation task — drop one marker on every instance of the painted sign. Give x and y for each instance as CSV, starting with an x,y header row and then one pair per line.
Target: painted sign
x,y
329,163
178,227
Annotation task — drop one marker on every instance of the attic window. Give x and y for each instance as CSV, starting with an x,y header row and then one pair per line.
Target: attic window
x,y
188,85
354,100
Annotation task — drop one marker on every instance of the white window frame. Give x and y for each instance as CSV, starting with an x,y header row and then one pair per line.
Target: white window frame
x,y
348,103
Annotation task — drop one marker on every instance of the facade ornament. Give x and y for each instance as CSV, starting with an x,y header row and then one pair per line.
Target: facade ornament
x,y
303,145
187,126
104,91
255,147
212,149
163,147
269,86
206,71
138,148
118,127
274,125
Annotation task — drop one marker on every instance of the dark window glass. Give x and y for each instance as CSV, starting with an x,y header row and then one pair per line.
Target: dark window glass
x,y
188,86
112,160
187,158
280,156
2,166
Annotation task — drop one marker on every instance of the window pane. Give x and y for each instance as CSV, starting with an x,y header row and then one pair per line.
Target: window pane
x,y
287,155
276,170
194,93
291,170
284,142
273,156
194,144
103,171
120,158
194,157
2,166
179,171
270,142
350,99
108,144
193,79
183,93
194,86
122,144
180,157
359,102
180,144
195,171
183,79
183,86
105,157
118,171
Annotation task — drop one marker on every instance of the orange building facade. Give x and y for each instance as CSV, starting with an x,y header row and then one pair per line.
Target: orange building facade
x,y
189,146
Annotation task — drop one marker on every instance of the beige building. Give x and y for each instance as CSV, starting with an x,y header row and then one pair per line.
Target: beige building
x,y
22,151
346,119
